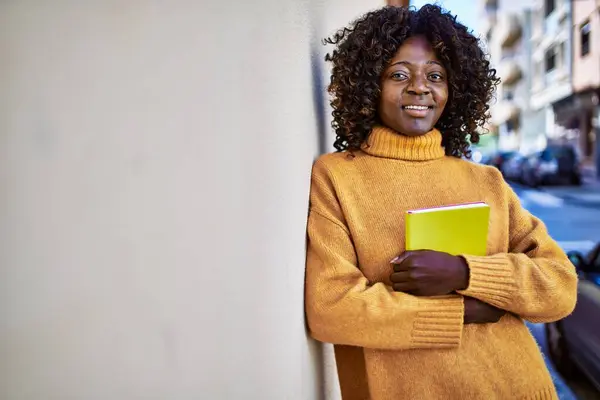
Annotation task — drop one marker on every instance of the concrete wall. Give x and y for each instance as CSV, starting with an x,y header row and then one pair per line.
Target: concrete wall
x,y
155,161
586,70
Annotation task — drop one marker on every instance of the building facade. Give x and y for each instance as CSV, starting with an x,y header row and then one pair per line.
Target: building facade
x,y
579,113
551,57
533,45
551,65
534,124
506,29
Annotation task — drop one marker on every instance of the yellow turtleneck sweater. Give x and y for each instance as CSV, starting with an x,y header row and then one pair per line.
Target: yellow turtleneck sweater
x,y
391,345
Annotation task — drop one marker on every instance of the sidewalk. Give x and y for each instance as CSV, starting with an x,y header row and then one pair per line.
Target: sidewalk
x,y
588,194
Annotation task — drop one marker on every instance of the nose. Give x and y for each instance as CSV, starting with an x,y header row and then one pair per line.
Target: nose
x,y
418,86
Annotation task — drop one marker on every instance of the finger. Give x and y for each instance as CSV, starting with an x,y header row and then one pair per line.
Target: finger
x,y
404,264
401,267
400,259
405,287
400,277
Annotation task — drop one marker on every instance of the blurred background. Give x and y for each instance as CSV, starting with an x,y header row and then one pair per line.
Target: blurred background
x,y
155,165
544,138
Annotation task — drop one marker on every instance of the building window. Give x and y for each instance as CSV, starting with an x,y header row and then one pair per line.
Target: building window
x,y
550,59
550,5
491,5
585,38
508,95
510,126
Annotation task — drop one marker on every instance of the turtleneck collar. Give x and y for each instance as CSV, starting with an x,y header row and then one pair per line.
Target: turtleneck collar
x,y
385,142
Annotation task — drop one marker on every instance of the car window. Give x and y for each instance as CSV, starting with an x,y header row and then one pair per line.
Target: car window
x,y
508,155
547,155
559,152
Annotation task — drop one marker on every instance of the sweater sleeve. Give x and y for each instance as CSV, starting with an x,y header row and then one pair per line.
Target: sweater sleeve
x,y
343,307
534,280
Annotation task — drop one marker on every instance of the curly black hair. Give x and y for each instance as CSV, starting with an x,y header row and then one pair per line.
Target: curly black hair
x,y
365,48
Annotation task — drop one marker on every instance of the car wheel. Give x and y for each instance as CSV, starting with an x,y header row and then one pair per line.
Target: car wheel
x,y
575,180
558,351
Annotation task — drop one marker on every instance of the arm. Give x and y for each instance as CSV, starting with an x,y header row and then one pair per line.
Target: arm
x,y
534,280
342,307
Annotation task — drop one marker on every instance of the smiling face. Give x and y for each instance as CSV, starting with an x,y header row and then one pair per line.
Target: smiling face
x,y
414,89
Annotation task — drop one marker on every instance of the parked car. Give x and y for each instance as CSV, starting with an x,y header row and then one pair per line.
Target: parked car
x,y
497,160
574,342
556,164
512,168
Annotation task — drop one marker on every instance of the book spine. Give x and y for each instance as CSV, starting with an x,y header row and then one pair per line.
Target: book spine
x,y
408,244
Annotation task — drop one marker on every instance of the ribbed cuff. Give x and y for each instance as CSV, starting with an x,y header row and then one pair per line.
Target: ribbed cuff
x,y
439,324
492,278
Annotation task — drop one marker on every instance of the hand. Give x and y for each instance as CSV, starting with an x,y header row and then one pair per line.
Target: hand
x,y
429,273
478,312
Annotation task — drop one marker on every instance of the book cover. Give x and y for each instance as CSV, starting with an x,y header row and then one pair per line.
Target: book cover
x,y
457,229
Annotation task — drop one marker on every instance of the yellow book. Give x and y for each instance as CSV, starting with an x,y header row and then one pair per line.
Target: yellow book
x,y
457,229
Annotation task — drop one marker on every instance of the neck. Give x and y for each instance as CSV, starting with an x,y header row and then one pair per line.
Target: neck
x,y
387,143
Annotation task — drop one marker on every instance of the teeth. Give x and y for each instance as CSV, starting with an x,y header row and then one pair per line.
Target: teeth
x,y
416,107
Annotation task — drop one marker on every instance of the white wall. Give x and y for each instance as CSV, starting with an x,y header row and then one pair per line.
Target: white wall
x,y
154,171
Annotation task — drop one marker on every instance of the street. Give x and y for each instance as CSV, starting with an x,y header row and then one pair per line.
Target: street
x,y
575,227
567,221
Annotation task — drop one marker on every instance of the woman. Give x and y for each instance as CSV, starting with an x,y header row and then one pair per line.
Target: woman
x,y
409,90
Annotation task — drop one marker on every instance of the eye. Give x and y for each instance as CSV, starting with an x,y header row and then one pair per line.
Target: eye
x,y
436,77
399,76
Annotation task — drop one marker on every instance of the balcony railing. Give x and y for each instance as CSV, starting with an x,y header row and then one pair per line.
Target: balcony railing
x,y
505,110
509,71
509,29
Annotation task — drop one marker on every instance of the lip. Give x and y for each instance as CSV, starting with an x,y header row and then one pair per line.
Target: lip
x,y
417,113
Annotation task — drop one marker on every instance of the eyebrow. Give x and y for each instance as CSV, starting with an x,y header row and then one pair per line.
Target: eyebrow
x,y
409,63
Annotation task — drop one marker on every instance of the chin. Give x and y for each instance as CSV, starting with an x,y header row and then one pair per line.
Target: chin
x,y
410,126
415,130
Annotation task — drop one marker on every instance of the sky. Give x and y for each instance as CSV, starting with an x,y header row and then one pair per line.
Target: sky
x,y
466,11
